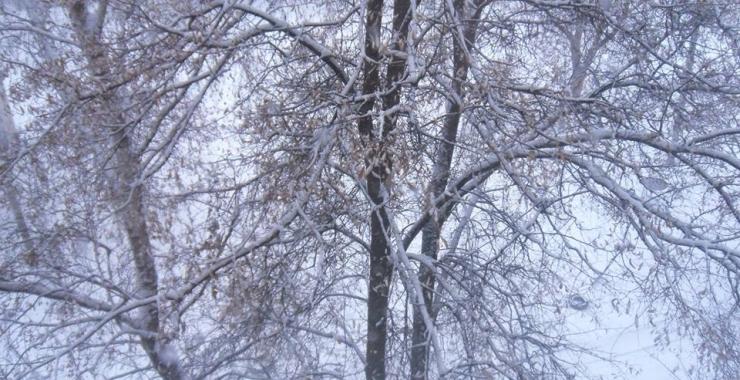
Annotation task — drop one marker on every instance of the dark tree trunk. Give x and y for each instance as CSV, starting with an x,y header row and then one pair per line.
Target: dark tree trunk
x,y
381,272
381,268
440,176
379,161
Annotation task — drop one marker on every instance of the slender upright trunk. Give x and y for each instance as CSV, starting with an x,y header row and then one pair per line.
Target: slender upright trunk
x,y
378,160
130,194
381,268
381,272
440,176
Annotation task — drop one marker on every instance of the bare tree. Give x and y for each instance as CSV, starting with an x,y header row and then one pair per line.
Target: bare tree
x,y
411,189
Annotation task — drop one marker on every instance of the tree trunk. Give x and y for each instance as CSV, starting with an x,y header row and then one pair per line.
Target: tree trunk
x,y
381,268
381,272
130,194
379,162
440,176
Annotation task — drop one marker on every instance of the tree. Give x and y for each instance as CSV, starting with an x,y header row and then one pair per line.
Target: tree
x,y
415,190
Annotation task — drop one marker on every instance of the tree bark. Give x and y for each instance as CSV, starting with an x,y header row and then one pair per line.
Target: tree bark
x,y
381,268
431,231
378,161
130,193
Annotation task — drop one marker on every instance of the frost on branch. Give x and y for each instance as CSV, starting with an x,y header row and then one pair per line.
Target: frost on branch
x,y
435,189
